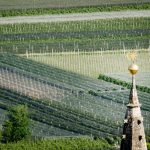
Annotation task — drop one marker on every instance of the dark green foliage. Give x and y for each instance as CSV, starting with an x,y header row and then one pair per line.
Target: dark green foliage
x,y
7,129
148,142
89,9
110,140
16,127
93,93
123,83
148,146
148,138
113,140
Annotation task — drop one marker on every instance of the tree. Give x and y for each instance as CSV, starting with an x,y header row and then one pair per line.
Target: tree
x,y
16,127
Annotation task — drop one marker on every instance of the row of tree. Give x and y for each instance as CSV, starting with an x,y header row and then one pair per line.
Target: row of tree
x,y
123,83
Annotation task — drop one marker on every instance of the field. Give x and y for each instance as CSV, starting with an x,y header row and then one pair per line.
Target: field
x,y
40,129
17,4
96,35
94,63
79,100
50,54
54,69
81,46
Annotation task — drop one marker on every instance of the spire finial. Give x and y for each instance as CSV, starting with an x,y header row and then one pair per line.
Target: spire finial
x,y
132,55
133,68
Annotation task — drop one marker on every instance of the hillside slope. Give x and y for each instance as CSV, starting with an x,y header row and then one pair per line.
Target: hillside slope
x,y
65,100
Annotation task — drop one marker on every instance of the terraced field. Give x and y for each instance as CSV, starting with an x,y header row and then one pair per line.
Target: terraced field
x,y
80,46
96,35
81,111
39,63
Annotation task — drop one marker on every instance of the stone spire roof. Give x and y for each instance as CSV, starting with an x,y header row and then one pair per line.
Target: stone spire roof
x,y
133,137
133,98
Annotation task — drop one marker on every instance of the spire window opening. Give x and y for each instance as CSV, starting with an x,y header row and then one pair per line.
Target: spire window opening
x,y
140,138
139,122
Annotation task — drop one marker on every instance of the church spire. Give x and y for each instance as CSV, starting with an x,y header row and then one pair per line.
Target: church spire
x,y
133,137
133,98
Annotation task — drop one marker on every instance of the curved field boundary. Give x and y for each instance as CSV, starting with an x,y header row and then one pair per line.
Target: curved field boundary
x,y
75,17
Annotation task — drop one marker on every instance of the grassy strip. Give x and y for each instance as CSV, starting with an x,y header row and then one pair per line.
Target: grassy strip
x,y
123,83
89,9
60,144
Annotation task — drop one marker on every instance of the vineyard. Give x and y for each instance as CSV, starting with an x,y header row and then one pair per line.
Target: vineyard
x,y
73,75
93,63
65,45
79,102
96,35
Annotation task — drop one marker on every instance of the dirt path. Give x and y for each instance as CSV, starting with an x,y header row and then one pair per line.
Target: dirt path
x,y
75,17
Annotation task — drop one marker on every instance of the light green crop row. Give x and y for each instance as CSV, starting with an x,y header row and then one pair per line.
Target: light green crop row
x,y
94,25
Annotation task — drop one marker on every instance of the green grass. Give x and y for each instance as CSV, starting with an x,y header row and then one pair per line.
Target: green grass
x,y
19,8
60,144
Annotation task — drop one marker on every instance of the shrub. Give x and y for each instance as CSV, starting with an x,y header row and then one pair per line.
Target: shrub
x,y
16,127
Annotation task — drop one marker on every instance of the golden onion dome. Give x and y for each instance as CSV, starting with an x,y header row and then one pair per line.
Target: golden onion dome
x,y
133,69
